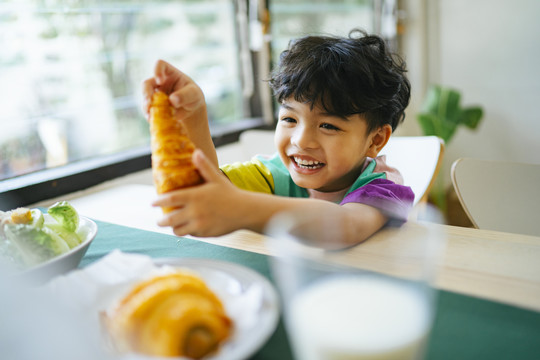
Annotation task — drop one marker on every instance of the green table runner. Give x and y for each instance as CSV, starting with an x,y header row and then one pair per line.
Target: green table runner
x,y
465,327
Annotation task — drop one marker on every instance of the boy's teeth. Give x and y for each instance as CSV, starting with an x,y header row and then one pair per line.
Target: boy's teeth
x,y
306,162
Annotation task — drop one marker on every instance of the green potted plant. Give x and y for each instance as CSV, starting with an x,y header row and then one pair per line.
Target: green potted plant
x,y
441,115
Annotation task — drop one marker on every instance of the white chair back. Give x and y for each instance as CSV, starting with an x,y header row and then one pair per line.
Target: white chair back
x,y
499,195
418,159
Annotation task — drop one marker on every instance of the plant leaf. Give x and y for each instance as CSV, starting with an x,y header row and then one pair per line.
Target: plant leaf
x,y
441,113
432,125
447,131
428,122
471,117
449,109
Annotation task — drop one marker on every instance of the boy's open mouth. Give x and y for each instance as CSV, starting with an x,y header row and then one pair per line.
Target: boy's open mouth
x,y
307,164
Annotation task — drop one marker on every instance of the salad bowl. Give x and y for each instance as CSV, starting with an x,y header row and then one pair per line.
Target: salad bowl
x,y
65,262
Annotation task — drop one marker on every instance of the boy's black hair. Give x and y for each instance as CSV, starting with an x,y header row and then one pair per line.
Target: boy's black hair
x,y
345,76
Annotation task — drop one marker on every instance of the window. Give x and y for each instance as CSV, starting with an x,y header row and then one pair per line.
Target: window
x,y
72,70
74,73
294,18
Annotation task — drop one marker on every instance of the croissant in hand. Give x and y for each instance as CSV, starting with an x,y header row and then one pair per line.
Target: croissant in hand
x,y
172,149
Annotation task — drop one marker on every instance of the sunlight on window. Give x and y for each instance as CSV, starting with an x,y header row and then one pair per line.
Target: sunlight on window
x,y
72,70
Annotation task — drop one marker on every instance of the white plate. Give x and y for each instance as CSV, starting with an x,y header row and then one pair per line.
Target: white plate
x,y
249,298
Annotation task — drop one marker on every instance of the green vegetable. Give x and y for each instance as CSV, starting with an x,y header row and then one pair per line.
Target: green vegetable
x,y
65,214
35,245
71,238
37,218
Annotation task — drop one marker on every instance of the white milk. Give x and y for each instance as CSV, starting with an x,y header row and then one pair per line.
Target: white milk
x,y
359,318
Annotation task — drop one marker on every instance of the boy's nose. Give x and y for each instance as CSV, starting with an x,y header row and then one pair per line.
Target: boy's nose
x,y
303,138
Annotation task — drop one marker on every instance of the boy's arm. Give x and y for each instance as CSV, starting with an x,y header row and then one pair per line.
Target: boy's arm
x,y
188,100
330,226
217,207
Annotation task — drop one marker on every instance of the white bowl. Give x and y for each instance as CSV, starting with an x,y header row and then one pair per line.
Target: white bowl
x,y
63,263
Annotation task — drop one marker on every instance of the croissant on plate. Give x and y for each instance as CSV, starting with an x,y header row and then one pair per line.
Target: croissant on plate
x,y
172,149
169,315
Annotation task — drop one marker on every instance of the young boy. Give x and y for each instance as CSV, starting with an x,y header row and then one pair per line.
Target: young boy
x,y
340,99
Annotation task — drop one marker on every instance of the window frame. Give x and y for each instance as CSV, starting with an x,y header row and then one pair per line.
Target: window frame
x,y
55,182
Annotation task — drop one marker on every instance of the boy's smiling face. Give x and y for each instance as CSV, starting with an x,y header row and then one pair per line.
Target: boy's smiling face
x,y
323,151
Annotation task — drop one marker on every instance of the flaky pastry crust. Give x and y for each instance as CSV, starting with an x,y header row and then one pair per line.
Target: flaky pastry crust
x,y
172,149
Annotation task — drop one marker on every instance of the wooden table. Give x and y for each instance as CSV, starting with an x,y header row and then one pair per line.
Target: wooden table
x,y
492,265
487,264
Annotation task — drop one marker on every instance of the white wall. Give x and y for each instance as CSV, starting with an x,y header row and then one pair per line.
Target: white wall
x,y
490,51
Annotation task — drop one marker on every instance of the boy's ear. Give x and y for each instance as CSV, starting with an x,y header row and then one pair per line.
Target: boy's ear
x,y
378,139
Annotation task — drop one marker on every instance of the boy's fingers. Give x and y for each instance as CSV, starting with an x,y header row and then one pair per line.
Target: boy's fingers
x,y
161,201
149,86
188,97
162,69
166,76
171,80
208,171
174,218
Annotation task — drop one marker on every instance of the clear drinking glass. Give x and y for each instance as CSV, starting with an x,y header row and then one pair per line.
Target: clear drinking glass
x,y
371,301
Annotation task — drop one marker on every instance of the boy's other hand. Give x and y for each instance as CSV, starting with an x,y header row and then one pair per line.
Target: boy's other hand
x,y
202,210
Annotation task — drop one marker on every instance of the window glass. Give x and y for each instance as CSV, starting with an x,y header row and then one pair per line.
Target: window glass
x,y
72,70
295,18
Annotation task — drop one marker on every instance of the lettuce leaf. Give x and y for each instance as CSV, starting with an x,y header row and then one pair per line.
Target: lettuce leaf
x,y
65,214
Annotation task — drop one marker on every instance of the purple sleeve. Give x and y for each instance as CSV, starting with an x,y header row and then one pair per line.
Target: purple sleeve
x,y
393,200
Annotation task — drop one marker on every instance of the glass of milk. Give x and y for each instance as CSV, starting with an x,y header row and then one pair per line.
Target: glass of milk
x,y
371,301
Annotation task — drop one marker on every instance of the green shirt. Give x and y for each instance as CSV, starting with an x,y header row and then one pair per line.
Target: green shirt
x,y
269,175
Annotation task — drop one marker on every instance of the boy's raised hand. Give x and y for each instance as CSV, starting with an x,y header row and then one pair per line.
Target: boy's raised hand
x,y
188,100
184,94
202,210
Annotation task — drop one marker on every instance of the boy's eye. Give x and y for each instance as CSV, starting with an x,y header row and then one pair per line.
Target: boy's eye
x,y
329,126
288,119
